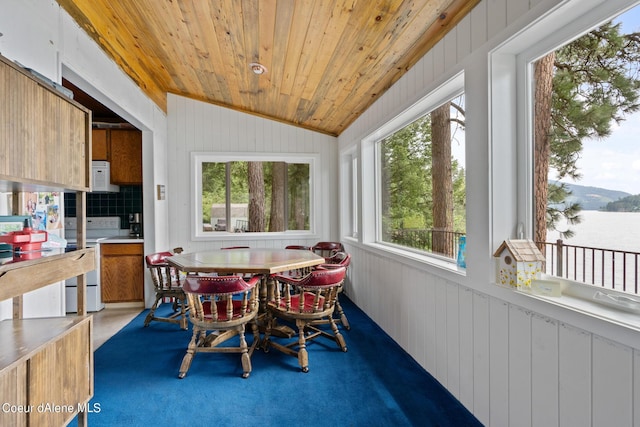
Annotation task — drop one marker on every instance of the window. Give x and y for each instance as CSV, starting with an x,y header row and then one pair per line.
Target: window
x,y
252,194
419,168
542,177
585,100
349,197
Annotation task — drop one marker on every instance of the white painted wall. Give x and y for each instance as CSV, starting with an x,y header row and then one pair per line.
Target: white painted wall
x,y
196,126
40,35
511,360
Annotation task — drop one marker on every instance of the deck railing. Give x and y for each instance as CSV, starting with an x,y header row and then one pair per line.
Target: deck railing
x,y
427,239
606,268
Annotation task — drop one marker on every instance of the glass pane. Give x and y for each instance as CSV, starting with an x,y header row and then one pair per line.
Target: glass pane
x,y
264,196
213,197
422,182
298,196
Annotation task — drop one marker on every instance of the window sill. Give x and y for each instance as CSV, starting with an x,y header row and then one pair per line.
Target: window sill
x,y
579,297
275,235
418,259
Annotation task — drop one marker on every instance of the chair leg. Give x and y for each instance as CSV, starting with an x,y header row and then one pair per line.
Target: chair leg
x,y
343,317
245,357
188,357
152,311
338,336
183,314
303,355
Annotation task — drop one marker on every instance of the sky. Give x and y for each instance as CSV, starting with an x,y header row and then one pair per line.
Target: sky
x,y
614,163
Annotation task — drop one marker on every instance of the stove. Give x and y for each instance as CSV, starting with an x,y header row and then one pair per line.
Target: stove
x,y
97,228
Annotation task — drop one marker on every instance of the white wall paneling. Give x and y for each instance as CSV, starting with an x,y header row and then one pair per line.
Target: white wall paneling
x,y
503,359
544,371
195,126
520,366
574,369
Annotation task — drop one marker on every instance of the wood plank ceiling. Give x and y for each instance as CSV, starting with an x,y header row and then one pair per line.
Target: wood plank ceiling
x,y
327,61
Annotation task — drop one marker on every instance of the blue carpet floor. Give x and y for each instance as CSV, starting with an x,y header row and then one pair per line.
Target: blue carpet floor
x,y
375,383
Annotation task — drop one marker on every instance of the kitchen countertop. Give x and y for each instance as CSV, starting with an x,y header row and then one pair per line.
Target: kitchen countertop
x,y
121,239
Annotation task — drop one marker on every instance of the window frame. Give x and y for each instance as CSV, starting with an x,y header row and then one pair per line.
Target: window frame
x,y
511,90
350,212
370,189
511,136
197,158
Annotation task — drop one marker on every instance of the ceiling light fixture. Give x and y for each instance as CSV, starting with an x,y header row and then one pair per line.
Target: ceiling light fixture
x,y
257,68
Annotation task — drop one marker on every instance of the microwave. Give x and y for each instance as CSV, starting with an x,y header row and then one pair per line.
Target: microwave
x,y
101,178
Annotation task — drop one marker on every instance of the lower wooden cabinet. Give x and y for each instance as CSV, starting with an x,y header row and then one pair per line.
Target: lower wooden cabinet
x,y
122,272
46,376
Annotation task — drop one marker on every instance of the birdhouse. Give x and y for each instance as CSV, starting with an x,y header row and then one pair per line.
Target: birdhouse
x,y
519,262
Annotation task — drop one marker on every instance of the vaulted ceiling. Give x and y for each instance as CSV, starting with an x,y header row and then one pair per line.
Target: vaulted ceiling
x,y
326,61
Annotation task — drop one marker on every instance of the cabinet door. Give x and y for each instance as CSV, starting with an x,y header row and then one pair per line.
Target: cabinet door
x,y
121,272
126,156
61,374
44,135
13,389
99,145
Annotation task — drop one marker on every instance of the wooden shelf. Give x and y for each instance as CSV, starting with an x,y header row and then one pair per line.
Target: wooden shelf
x,y
25,276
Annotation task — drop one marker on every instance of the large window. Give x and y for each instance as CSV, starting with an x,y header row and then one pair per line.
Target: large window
x,y
422,197
420,180
570,85
252,194
585,106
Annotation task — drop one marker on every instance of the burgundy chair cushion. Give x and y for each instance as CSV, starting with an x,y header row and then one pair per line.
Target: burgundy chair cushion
x,y
307,303
222,310
208,285
157,259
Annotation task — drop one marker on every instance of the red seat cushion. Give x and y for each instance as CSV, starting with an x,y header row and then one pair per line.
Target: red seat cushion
x,y
222,310
308,303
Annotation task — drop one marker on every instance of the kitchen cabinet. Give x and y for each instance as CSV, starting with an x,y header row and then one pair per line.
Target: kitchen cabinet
x,y
99,144
126,157
122,272
48,143
123,149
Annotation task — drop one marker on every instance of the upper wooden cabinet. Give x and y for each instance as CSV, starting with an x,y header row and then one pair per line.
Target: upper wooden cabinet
x,y
44,135
100,144
126,157
123,149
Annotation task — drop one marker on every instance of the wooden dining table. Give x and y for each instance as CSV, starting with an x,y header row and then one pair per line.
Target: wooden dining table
x,y
249,261
245,261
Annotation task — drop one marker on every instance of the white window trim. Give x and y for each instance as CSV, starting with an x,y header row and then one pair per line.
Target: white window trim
x,y
511,136
349,196
370,167
315,189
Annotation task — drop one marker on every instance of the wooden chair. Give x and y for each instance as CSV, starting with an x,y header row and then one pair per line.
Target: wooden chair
x,y
298,247
167,284
327,249
224,306
339,259
304,301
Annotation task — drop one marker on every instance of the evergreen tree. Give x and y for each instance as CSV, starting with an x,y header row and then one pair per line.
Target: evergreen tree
x,y
594,84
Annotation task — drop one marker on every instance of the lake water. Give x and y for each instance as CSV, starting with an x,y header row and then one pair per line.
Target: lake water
x,y
618,231
609,230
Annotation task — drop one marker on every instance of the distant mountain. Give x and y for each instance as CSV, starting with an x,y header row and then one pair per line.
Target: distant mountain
x,y
593,198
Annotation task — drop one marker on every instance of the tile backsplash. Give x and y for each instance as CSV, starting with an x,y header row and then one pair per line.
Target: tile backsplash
x,y
128,200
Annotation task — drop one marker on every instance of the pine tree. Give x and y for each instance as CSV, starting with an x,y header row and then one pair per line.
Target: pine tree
x,y
595,84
